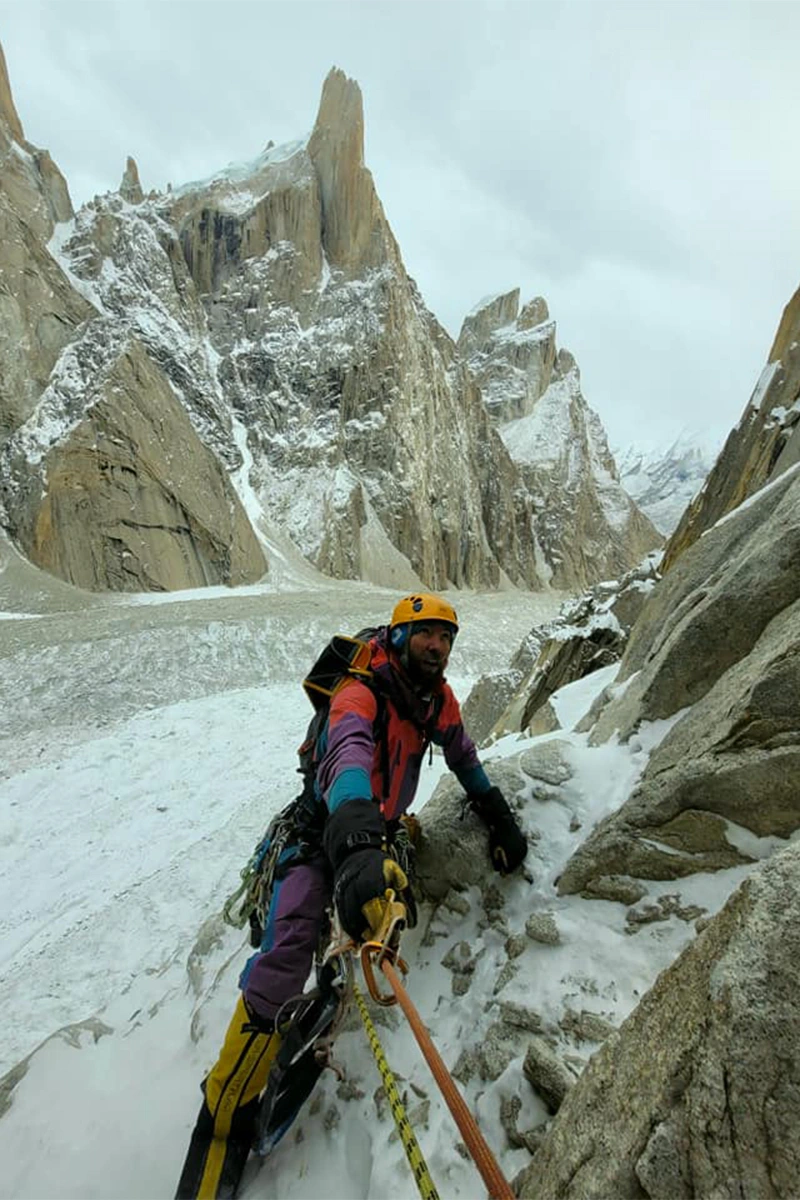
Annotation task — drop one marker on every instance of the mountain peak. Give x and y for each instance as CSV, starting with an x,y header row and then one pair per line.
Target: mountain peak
x,y
130,188
341,114
355,233
8,112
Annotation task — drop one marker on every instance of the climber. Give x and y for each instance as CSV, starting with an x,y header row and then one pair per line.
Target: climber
x,y
369,756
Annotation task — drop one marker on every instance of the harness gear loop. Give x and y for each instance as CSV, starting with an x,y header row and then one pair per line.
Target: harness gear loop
x,y
251,899
498,1186
413,1153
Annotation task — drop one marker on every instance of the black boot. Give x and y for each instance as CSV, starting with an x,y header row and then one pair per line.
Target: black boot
x,y
223,1133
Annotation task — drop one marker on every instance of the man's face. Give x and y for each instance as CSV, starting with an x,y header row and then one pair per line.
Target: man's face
x,y
429,648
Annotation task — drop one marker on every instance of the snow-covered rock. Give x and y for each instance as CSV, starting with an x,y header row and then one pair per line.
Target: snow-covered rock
x,y
587,527
764,444
694,1095
664,481
273,298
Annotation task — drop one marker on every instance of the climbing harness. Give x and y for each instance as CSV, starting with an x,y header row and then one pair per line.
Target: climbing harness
x,y
258,875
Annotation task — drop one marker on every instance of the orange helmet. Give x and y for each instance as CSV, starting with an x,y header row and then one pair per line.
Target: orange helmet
x,y
420,606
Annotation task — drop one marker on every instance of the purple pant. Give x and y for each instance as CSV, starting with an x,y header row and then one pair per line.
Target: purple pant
x,y
278,972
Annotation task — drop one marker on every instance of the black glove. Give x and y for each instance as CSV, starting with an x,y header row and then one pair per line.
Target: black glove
x,y
507,843
359,891
362,871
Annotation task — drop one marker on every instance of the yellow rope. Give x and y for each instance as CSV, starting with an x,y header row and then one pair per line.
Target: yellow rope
x,y
410,1144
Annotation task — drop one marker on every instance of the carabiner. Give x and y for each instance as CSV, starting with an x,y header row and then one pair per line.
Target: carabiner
x,y
385,945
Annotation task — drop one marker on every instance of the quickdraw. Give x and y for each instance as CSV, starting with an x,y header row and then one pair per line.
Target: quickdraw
x,y
251,899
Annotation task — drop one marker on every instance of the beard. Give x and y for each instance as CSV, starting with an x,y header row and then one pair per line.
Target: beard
x,y
426,666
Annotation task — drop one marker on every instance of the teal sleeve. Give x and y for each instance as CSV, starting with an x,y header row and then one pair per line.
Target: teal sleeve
x,y
350,784
473,779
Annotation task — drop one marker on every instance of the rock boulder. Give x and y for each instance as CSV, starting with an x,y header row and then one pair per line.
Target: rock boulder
x,y
697,1094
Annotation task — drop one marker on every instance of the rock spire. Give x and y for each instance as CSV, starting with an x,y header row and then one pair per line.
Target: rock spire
x,y
8,112
130,188
355,233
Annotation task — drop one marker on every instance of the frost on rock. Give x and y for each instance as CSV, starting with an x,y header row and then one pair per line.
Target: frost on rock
x,y
273,298
664,481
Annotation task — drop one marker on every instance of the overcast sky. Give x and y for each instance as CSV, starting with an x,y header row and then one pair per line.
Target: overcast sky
x,y
634,163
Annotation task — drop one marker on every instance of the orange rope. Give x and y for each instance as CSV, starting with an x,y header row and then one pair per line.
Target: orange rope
x,y
498,1185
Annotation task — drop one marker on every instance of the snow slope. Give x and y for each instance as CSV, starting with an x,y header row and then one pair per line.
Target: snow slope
x,y
144,748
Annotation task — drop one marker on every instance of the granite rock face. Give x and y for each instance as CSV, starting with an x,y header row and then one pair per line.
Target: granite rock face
x,y
763,445
133,500
274,300
696,1095
105,481
587,528
40,310
716,650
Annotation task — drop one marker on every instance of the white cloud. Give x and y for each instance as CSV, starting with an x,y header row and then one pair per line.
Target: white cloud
x,y
632,163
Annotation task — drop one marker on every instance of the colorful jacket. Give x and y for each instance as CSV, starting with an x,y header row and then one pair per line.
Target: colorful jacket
x,y
356,747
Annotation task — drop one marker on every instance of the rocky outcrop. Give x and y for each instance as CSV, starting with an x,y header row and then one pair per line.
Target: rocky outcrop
x,y
717,649
763,445
587,527
453,853
696,1094
40,310
130,500
590,632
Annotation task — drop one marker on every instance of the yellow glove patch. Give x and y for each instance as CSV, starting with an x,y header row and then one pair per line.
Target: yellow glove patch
x,y
375,910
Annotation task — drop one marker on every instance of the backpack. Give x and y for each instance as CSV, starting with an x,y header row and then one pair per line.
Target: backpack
x,y
343,658
297,829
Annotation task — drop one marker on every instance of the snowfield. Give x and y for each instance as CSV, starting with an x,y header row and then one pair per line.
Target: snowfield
x,y
146,741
